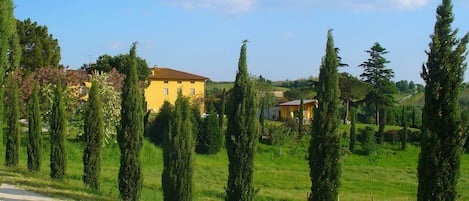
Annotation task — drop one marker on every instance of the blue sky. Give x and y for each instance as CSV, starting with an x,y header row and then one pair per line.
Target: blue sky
x,y
287,37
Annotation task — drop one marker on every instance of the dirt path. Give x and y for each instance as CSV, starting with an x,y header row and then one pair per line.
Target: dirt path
x,y
10,192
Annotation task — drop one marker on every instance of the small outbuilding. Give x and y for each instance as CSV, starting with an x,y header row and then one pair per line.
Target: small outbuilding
x,y
290,109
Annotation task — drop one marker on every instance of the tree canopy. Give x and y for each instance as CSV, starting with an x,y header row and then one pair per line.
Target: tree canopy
x,y
39,48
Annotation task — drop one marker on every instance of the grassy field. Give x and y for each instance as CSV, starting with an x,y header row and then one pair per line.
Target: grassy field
x,y
387,175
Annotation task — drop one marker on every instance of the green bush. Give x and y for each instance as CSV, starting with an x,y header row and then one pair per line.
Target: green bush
x,y
367,140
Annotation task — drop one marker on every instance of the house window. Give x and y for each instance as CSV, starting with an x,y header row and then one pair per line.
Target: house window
x,y
179,90
166,91
192,91
166,81
192,82
179,81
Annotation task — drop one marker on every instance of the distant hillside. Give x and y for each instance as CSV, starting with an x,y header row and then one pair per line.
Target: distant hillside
x,y
419,99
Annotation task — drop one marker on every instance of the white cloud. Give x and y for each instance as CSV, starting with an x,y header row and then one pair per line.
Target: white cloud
x,y
224,6
244,6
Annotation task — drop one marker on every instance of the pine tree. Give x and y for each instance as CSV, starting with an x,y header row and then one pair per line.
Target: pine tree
x,y
353,131
242,134
93,133
178,151
7,29
324,145
210,138
442,133
379,77
34,131
58,130
130,133
13,114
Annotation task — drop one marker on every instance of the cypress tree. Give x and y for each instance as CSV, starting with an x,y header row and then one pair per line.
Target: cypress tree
x,y
58,130
404,130
160,125
301,118
130,133
13,113
196,119
178,151
34,131
242,134
324,145
210,138
7,29
442,133
93,133
221,114
353,131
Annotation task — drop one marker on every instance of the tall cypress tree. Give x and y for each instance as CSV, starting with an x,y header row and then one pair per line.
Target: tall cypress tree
x,y
209,140
353,131
13,113
178,151
130,133
324,145
94,133
301,118
7,29
34,131
242,134
442,133
221,114
58,131
404,129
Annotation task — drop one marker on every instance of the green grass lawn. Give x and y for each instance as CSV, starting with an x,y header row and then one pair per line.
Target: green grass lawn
x,y
389,175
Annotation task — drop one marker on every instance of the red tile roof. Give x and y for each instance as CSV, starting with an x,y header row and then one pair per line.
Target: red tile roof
x,y
171,74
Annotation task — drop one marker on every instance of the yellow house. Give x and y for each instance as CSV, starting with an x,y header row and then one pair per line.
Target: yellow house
x,y
165,83
288,109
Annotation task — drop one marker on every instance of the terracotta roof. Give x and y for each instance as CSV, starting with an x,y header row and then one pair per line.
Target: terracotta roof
x,y
171,74
297,102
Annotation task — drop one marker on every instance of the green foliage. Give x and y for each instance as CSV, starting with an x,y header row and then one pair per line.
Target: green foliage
x,y
111,99
367,140
106,63
13,115
404,130
381,126
353,131
130,133
34,131
7,29
351,90
178,151
196,119
39,48
221,113
58,132
159,127
301,118
442,132
94,133
379,77
241,134
210,138
325,141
